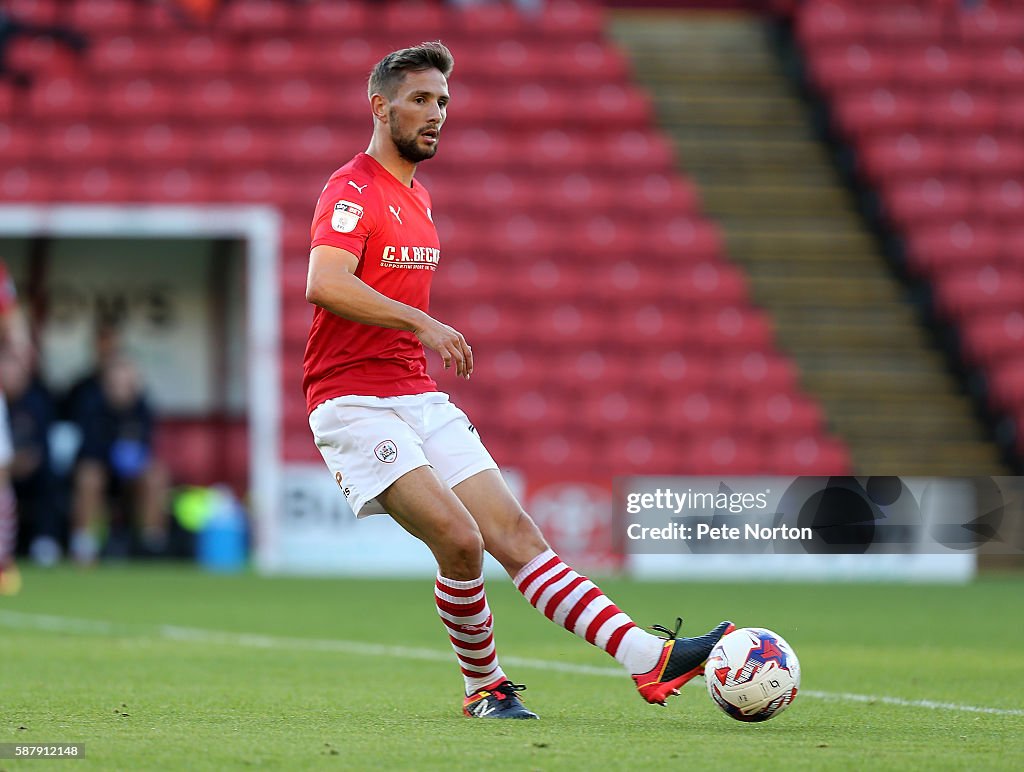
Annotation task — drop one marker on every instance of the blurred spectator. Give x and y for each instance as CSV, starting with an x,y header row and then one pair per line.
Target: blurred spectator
x,y
14,342
11,28
31,412
115,471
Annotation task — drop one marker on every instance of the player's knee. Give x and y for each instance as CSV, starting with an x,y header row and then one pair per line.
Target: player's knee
x,y
466,545
461,554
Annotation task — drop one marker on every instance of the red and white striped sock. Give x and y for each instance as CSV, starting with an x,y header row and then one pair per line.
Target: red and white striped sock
x,y
464,611
578,605
8,525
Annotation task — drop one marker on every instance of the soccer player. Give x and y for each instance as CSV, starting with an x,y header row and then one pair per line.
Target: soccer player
x,y
394,442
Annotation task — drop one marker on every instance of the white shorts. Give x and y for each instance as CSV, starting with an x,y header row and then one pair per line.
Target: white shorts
x,y
369,442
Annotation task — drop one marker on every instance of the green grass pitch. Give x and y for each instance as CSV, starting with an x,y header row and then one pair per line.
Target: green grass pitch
x,y
170,668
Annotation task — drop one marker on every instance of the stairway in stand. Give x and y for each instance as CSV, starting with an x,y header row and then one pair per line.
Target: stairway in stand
x,y
745,137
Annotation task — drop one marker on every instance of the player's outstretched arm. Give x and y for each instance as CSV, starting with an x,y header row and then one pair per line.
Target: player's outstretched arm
x,y
332,284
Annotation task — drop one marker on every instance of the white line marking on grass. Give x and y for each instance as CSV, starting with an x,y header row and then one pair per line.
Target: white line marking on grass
x,y
59,624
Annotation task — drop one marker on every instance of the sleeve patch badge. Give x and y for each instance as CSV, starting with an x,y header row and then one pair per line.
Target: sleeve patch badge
x,y
346,216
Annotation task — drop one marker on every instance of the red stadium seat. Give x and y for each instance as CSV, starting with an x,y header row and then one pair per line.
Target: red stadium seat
x,y
158,144
64,99
933,67
988,155
485,21
757,372
926,201
1002,200
225,99
969,291
710,284
553,150
1012,112
671,371
101,15
338,17
726,454
619,411
937,248
139,99
533,410
17,143
568,325
100,184
198,54
256,16
636,151
771,414
280,56
80,143
856,67
990,338
808,455
672,193
651,327
299,99
892,157
177,185
989,25
430,21
904,23
117,54
961,111
1001,68
685,239
27,184
733,327
830,24
237,144
572,19
586,61
877,111
699,412
645,453
613,105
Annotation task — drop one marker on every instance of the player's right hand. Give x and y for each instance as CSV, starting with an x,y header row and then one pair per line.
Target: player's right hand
x,y
449,343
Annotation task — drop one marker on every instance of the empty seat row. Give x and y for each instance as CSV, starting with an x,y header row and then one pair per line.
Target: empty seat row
x,y
560,19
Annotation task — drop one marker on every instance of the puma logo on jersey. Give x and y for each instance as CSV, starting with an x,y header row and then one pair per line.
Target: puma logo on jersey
x,y
359,188
396,213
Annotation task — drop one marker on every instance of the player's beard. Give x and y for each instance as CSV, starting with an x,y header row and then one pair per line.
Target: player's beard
x,y
408,144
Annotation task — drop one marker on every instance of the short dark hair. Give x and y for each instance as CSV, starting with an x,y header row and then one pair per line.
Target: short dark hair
x,y
390,71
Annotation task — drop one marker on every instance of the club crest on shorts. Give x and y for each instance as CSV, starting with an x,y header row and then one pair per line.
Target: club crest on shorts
x,y
386,452
346,216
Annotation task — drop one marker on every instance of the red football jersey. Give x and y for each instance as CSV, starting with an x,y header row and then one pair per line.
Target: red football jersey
x,y
365,210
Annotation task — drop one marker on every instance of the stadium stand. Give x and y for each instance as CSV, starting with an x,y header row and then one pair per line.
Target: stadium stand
x,y
611,330
725,91
929,96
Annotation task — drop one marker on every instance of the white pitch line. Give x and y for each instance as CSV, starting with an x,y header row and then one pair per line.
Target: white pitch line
x,y
60,624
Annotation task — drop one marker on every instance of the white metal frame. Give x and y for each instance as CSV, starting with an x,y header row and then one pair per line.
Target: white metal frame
x,y
260,228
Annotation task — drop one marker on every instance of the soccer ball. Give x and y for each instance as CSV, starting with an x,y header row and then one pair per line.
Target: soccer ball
x,y
752,674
